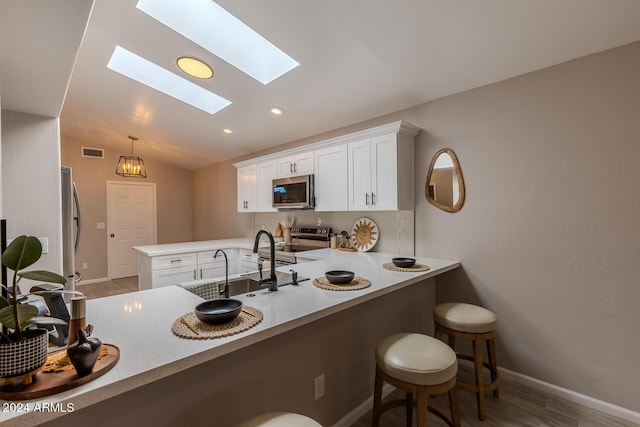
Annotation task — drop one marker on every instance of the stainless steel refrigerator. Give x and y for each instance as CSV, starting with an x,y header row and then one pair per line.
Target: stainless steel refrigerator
x,y
71,227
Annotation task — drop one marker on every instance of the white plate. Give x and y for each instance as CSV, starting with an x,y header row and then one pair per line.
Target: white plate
x,y
364,234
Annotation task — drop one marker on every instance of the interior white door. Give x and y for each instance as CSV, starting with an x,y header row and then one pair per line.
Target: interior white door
x,y
131,221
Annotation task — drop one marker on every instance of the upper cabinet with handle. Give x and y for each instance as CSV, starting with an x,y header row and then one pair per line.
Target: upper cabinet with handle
x,y
380,173
296,164
367,170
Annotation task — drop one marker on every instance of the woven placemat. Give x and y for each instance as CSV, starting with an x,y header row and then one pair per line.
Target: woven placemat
x,y
357,283
416,267
189,326
59,361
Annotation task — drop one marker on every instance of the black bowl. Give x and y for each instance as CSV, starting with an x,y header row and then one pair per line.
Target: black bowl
x,y
403,262
218,311
339,277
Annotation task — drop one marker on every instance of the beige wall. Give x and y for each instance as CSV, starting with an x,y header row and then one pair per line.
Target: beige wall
x,y
539,244
32,206
548,235
173,189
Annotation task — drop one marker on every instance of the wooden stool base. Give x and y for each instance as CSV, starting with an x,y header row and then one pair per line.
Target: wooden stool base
x,y
421,393
480,387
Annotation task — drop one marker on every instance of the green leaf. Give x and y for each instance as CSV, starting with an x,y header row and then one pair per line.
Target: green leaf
x,y
22,252
6,317
43,276
3,302
26,312
46,320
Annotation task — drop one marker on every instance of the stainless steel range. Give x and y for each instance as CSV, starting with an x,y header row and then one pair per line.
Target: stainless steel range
x,y
303,238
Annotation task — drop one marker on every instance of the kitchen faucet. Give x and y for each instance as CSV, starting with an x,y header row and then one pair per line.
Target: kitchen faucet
x,y
273,280
225,293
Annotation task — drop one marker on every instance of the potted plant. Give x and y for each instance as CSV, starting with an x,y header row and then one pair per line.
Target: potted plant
x,y
22,348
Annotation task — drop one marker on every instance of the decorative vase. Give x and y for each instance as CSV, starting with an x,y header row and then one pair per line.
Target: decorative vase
x,y
84,353
21,357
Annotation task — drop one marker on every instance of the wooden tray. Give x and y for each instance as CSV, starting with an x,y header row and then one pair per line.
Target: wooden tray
x,y
46,384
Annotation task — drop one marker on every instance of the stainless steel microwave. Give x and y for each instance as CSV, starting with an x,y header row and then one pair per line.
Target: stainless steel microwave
x,y
295,192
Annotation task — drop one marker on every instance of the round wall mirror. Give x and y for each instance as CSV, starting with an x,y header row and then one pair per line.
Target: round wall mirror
x,y
445,186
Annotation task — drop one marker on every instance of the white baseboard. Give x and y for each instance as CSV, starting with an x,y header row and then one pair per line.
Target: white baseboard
x,y
362,408
572,396
90,281
553,390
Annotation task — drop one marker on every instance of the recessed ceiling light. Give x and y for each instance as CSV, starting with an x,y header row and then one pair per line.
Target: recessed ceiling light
x,y
210,26
146,72
227,131
278,111
194,67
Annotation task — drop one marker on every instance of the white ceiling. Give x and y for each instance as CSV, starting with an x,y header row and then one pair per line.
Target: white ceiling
x,y
359,59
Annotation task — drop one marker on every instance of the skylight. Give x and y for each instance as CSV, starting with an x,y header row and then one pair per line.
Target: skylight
x,y
146,72
210,26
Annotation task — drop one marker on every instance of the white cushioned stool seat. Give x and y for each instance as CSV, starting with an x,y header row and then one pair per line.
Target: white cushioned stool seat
x,y
417,359
421,366
280,419
464,317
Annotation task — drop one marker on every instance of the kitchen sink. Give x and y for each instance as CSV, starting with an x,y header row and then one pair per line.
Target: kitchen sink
x,y
211,288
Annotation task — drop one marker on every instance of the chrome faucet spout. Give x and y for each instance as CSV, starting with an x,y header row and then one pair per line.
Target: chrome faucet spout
x,y
273,279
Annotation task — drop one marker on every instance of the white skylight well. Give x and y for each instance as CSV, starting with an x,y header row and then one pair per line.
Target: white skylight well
x,y
146,72
210,26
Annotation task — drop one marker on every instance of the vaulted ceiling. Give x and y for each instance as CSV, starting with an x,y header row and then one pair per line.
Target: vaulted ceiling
x,y
359,59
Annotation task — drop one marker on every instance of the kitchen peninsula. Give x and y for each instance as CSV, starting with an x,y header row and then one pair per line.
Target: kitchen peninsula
x,y
307,332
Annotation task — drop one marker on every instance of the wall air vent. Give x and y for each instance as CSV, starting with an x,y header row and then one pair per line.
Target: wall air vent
x,y
96,153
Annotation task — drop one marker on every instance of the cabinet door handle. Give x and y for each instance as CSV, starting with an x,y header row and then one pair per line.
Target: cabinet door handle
x,y
201,273
175,260
366,200
295,167
373,199
290,167
194,275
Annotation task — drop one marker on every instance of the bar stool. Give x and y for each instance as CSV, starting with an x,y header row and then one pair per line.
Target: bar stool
x,y
420,365
280,419
476,324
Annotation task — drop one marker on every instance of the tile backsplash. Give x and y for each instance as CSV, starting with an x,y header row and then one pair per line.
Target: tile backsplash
x,y
396,227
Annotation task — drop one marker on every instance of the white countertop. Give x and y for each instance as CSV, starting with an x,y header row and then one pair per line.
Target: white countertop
x,y
139,323
203,245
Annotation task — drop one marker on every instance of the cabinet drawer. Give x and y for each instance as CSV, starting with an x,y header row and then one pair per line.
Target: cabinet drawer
x,y
207,256
173,261
172,276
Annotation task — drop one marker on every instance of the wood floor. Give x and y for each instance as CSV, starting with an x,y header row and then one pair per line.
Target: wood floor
x,y
108,288
517,405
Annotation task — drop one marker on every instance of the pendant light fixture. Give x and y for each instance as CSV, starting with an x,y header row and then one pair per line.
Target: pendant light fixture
x,y
131,166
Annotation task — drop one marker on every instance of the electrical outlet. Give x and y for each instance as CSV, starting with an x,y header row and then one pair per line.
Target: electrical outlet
x,y
318,387
85,266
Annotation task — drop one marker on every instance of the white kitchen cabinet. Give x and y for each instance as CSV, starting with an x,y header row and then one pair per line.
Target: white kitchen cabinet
x,y
171,276
380,173
266,172
246,187
210,266
165,270
247,261
254,187
330,179
294,165
379,170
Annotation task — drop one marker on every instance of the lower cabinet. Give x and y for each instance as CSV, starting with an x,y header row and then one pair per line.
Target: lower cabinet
x,y
171,276
165,270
